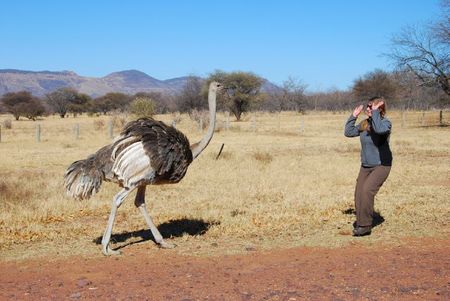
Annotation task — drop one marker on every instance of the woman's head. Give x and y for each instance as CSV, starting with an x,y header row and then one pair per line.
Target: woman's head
x,y
374,101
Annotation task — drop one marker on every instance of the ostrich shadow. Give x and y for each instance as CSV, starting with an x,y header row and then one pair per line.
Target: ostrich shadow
x,y
172,228
378,219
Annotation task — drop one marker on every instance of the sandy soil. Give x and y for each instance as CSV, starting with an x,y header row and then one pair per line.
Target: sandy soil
x,y
415,270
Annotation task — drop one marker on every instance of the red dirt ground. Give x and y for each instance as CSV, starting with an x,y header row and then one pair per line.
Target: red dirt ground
x,y
416,270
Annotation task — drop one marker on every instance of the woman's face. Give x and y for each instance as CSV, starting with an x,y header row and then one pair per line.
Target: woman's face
x,y
368,110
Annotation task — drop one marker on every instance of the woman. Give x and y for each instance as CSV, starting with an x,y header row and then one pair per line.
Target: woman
x,y
376,159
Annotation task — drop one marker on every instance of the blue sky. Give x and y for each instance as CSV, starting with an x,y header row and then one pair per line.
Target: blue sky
x,y
326,44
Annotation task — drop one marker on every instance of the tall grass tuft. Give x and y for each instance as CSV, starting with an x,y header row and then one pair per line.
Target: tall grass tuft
x,y
263,157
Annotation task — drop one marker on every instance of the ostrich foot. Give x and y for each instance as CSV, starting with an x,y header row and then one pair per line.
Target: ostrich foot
x,y
166,245
107,251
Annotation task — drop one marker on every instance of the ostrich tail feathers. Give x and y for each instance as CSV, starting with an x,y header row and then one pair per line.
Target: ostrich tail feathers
x,y
82,180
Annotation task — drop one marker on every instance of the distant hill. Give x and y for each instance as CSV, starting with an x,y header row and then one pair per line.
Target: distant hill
x,y
40,83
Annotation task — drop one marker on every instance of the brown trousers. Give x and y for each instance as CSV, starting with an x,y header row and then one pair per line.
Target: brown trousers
x,y
368,183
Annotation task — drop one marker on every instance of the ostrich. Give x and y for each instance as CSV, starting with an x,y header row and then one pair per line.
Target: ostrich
x,y
147,152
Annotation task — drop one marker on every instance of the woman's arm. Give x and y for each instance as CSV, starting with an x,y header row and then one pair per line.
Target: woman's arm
x,y
379,125
350,129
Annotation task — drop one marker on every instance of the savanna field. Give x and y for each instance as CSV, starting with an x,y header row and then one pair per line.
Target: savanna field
x,y
282,180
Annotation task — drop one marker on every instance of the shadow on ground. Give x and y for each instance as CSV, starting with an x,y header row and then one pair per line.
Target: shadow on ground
x,y
378,219
172,228
443,125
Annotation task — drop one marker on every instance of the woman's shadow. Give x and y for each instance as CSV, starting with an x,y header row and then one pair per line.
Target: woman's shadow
x,y
172,228
378,219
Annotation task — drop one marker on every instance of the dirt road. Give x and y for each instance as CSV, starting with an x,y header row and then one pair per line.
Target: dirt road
x,y
416,270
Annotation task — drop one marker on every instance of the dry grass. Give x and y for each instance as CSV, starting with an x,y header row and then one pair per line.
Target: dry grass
x,y
7,124
263,157
99,124
273,186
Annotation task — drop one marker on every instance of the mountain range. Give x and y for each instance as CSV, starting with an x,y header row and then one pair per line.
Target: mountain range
x,y
40,83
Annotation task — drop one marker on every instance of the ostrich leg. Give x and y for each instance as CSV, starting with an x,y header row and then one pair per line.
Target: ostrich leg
x,y
140,203
117,201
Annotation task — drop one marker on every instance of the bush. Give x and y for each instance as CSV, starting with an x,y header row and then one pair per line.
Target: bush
x,y
142,107
200,115
99,124
118,120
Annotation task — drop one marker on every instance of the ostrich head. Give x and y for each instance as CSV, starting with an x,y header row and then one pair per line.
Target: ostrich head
x,y
214,87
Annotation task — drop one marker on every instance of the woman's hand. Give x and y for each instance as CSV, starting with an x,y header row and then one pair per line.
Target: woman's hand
x,y
376,106
357,110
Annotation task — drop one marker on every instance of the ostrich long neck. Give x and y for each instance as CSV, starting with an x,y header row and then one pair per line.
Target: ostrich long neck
x,y
198,147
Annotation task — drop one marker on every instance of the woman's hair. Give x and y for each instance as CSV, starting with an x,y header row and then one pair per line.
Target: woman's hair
x,y
365,126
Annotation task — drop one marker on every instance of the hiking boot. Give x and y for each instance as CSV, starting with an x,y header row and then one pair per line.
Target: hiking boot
x,y
362,231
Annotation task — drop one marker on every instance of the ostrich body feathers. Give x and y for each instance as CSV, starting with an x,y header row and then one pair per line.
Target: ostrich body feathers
x,y
146,152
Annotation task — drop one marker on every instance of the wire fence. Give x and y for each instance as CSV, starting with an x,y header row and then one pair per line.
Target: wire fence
x,y
258,122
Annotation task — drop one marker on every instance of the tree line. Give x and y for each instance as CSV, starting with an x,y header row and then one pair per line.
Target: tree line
x,y
242,94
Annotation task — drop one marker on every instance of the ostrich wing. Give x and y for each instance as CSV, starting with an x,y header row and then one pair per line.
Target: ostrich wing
x,y
157,153
132,166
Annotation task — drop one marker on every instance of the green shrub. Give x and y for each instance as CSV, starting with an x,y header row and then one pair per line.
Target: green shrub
x,y
142,107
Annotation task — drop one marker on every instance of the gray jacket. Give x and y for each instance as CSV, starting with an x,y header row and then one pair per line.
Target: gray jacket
x,y
375,142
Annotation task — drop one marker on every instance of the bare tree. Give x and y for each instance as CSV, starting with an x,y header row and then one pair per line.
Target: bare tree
x,y
293,94
60,100
191,97
425,50
290,97
332,99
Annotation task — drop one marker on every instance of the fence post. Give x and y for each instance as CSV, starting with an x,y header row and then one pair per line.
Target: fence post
x,y
403,119
279,121
110,129
253,125
227,117
302,125
77,131
441,121
38,133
